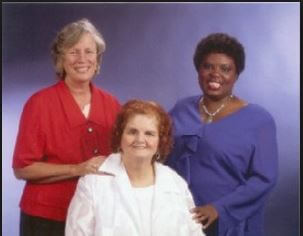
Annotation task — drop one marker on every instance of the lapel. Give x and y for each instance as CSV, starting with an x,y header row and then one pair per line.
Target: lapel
x,y
122,185
165,185
72,111
98,109
70,107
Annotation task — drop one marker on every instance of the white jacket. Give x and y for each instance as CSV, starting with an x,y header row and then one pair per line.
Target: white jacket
x,y
104,205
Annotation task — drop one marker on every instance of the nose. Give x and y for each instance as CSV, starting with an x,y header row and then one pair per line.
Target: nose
x,y
81,55
140,137
215,69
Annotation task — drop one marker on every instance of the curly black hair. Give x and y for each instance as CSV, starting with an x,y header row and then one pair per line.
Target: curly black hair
x,y
220,43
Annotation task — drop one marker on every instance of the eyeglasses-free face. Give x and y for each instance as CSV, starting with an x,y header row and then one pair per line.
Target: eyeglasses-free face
x,y
217,75
80,61
140,138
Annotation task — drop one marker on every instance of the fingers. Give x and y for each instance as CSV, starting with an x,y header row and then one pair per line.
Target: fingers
x,y
200,218
94,164
208,222
104,173
204,215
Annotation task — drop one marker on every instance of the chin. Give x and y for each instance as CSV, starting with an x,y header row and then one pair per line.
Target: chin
x,y
84,79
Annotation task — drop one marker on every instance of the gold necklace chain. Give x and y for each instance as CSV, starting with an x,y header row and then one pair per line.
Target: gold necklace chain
x,y
212,115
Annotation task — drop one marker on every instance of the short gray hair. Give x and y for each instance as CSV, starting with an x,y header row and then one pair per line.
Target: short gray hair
x,y
69,36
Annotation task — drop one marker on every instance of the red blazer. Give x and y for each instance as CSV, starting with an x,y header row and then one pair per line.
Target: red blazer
x,y
54,130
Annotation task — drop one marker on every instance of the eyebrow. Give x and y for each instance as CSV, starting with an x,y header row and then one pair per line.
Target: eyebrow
x,y
133,128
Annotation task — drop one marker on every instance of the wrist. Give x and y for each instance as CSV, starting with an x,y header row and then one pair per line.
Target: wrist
x,y
73,170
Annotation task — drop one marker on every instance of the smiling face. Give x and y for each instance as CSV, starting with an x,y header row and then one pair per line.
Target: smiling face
x,y
80,60
140,138
217,75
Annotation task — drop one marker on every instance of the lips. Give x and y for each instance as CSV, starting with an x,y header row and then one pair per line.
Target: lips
x,y
81,69
214,85
139,147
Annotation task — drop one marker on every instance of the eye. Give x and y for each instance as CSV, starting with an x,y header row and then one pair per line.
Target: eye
x,y
73,52
225,68
151,133
131,131
207,66
90,52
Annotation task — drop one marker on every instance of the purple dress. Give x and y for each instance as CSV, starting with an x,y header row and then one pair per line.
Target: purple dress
x,y
231,163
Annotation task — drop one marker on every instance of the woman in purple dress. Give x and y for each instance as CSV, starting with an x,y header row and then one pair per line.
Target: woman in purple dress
x,y
225,147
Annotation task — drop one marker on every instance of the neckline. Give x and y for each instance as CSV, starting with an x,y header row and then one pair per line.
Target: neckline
x,y
223,118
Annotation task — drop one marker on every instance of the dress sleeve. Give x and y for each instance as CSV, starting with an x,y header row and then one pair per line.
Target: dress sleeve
x,y
30,142
80,219
261,177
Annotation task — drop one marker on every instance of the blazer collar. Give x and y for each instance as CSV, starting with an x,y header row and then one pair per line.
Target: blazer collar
x,y
73,112
164,179
165,183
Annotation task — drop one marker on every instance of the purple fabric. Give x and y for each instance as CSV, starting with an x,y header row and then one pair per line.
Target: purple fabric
x,y
231,163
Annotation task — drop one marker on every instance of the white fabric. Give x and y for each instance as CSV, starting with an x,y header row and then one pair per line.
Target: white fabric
x,y
86,110
144,197
105,205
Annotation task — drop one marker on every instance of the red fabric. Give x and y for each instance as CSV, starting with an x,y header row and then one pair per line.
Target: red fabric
x,y
53,129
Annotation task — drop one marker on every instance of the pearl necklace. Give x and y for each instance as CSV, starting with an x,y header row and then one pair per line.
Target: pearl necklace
x,y
212,115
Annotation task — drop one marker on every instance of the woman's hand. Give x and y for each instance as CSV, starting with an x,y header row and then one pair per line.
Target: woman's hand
x,y
90,166
205,215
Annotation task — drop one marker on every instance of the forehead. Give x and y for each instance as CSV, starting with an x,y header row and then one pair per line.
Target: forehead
x,y
220,58
143,121
84,40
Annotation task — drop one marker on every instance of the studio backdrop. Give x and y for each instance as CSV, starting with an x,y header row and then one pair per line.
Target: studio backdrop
x,y
149,55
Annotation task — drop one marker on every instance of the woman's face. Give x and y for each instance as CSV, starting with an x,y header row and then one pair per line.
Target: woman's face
x,y
80,61
217,75
140,138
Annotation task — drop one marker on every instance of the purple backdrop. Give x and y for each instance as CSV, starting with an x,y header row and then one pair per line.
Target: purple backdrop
x,y
149,55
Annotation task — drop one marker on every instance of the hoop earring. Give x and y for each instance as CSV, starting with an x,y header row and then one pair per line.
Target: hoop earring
x,y
157,156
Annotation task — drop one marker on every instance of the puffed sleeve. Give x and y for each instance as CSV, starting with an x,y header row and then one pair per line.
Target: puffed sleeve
x,y
247,198
80,216
30,142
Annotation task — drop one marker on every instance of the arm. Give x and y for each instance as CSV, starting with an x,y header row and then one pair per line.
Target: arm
x,y
41,172
247,198
31,143
80,219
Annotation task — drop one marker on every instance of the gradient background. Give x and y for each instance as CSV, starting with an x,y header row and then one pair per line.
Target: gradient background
x,y
149,56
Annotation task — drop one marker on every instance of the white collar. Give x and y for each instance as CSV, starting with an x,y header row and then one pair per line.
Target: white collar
x,y
165,181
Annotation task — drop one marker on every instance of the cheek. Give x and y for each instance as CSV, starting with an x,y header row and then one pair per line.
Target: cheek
x,y
66,63
230,80
124,140
155,143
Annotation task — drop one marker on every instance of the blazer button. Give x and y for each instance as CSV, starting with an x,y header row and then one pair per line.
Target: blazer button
x,y
90,129
96,151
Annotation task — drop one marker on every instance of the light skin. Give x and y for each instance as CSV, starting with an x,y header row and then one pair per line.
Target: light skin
x,y
80,64
139,143
217,76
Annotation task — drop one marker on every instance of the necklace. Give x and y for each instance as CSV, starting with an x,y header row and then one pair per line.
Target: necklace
x,y
212,115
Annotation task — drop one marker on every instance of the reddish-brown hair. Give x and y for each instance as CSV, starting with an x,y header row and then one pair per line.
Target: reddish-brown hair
x,y
135,107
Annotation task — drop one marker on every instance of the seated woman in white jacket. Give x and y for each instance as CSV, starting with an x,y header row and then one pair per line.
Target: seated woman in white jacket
x,y
132,193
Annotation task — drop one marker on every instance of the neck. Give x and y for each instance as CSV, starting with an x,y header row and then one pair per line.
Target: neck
x,y
77,88
141,174
212,104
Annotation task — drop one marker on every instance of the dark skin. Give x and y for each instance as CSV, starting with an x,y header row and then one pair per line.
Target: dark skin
x,y
217,76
